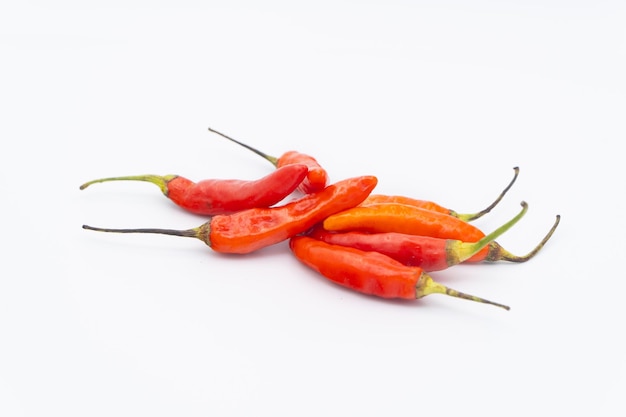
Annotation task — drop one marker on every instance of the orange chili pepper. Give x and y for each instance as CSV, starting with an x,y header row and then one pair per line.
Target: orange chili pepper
x,y
317,177
402,218
371,272
252,229
430,205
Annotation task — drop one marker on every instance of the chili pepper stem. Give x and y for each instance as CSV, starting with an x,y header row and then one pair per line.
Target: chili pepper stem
x,y
426,286
474,216
497,252
159,180
459,251
272,159
197,232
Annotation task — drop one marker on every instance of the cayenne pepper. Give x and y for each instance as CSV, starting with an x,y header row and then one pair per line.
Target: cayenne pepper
x,y
317,177
430,205
429,253
252,229
371,272
222,196
402,218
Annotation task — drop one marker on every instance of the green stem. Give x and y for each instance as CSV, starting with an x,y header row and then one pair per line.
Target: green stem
x,y
159,180
427,286
459,251
474,216
171,232
270,158
499,253
202,232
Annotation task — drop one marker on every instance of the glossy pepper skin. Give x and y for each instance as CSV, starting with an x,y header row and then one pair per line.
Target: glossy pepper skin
x,y
429,253
403,218
223,196
317,177
410,220
253,229
399,199
431,205
366,272
370,272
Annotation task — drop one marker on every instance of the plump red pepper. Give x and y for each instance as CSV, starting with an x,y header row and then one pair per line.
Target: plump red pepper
x,y
370,272
249,230
222,196
402,218
431,205
429,253
317,177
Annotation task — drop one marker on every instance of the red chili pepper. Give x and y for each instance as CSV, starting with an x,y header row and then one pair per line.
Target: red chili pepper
x,y
430,205
317,177
429,253
223,196
370,272
249,230
401,218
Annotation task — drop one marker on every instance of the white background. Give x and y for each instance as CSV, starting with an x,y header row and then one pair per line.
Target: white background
x,y
438,99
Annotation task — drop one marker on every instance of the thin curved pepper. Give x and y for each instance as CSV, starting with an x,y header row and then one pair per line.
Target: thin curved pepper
x,y
371,272
402,218
429,253
317,177
250,230
222,196
430,205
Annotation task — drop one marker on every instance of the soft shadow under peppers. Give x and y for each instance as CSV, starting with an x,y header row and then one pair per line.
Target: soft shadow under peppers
x,y
249,230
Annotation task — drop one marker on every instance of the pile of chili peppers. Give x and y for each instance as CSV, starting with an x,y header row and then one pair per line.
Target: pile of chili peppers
x,y
382,245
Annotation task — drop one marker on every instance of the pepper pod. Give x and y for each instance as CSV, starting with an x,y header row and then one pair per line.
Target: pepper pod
x,y
371,272
402,218
429,253
253,229
431,205
317,177
222,196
